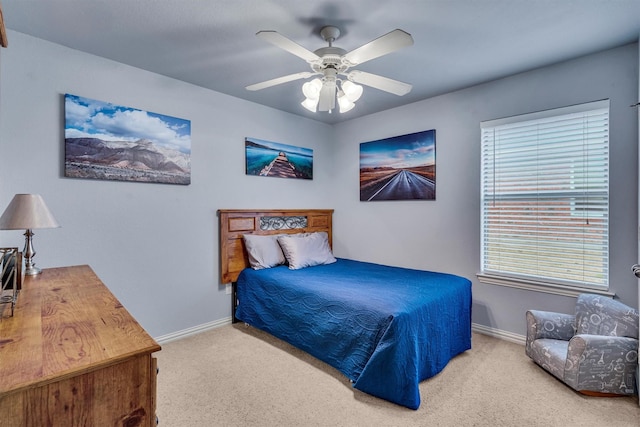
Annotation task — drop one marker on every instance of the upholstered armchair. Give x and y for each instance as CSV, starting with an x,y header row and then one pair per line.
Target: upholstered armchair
x,y
594,351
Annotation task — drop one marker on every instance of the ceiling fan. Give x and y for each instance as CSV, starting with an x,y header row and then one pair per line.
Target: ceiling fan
x,y
331,64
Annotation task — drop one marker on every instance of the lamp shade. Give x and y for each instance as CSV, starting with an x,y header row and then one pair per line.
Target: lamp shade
x,y
25,212
344,102
311,104
311,89
352,90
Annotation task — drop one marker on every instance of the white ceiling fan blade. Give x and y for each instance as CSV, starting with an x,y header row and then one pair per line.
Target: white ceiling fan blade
x,y
280,80
379,82
290,46
383,45
327,97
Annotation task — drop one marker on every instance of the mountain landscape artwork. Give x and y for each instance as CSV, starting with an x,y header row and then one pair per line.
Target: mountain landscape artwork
x,y
399,168
112,142
266,158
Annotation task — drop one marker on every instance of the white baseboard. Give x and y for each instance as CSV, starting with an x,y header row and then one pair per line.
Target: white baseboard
x,y
475,327
498,333
192,331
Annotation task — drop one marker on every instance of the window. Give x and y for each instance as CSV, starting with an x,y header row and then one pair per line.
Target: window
x,y
545,199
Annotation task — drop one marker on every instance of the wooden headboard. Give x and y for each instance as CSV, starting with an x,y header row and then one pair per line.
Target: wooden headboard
x,y
235,223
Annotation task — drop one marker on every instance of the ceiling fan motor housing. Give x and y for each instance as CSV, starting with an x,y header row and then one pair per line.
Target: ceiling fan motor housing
x,y
330,57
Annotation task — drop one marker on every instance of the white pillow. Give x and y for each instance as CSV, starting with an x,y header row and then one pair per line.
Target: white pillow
x,y
263,251
306,251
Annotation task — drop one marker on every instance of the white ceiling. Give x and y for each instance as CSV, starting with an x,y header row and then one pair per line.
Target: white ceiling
x,y
457,43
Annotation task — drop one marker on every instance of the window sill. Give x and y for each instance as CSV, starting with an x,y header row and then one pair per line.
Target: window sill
x,y
531,285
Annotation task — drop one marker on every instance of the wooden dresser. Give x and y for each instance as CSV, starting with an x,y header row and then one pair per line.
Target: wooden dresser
x,y
72,355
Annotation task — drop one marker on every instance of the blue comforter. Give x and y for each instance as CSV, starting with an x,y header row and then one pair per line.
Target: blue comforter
x,y
385,328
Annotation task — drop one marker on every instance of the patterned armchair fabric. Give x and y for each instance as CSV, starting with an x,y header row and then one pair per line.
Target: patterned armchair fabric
x,y
595,350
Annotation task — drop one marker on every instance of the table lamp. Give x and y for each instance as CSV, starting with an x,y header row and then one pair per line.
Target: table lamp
x,y
27,212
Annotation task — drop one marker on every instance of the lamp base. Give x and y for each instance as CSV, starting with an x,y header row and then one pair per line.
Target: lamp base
x,y
32,271
28,253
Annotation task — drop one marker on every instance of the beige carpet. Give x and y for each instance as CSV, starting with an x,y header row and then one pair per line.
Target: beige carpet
x,y
239,376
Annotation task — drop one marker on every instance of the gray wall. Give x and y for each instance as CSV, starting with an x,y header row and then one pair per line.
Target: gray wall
x,y
444,234
155,246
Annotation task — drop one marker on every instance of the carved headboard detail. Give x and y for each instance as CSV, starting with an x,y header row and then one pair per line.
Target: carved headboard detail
x,y
234,223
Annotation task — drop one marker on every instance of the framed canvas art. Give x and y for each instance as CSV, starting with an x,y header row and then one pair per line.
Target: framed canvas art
x,y
399,168
266,158
112,142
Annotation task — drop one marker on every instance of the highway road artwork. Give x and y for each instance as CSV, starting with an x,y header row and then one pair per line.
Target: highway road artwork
x,y
399,168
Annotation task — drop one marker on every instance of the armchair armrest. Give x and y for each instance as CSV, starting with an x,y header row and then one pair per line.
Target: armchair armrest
x,y
548,324
605,364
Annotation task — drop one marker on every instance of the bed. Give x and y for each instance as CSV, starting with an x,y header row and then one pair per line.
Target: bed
x,y
385,328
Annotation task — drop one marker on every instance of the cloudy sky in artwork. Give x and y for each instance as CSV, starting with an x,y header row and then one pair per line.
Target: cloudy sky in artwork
x,y
89,118
405,151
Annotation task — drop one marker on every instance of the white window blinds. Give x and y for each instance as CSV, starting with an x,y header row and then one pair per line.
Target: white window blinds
x,y
545,196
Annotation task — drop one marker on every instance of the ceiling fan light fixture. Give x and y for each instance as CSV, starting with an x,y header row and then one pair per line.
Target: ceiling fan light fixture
x,y
344,102
330,62
311,104
352,91
311,89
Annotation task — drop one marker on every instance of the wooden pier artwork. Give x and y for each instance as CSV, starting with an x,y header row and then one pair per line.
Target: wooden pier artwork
x,y
281,167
